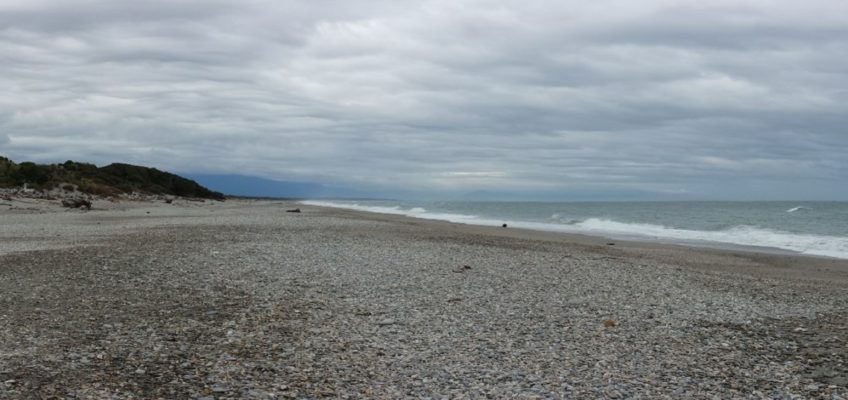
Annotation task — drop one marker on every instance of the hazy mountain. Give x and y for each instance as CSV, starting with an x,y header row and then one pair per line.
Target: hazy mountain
x,y
251,186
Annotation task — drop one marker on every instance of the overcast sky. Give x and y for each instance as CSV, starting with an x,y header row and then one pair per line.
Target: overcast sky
x,y
737,99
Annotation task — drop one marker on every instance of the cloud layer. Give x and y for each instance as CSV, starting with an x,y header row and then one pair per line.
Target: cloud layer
x,y
735,99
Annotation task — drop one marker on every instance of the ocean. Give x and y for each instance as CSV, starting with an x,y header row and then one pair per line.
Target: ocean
x,y
813,228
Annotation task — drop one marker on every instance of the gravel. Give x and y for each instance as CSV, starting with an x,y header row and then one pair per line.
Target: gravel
x,y
243,300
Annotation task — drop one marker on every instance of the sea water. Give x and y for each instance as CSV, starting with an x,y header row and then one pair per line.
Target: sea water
x,y
814,228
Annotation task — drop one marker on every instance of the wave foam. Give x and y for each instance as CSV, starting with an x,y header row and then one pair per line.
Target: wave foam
x,y
416,212
820,245
831,246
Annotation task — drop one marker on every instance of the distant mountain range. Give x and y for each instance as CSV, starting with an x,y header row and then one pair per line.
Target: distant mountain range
x,y
123,178
117,178
113,179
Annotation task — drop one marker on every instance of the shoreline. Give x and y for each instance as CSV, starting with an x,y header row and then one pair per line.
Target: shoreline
x,y
661,250
567,230
242,299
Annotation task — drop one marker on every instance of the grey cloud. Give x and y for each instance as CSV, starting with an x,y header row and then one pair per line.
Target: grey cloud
x,y
437,95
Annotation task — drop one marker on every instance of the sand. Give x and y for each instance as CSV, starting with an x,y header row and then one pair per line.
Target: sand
x,y
242,300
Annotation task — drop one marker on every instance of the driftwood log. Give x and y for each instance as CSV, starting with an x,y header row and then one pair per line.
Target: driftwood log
x,y
76,203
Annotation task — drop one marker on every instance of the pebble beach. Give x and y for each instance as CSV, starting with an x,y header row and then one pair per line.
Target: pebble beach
x,y
241,299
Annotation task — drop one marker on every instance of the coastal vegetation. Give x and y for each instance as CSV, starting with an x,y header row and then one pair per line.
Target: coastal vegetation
x,y
111,180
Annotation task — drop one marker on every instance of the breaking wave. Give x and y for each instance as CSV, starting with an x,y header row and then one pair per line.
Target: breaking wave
x,y
743,235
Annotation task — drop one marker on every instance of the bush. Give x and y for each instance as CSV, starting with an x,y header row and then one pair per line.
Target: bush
x,y
31,173
100,190
111,180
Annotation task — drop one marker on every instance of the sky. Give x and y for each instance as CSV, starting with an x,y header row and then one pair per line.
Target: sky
x,y
651,99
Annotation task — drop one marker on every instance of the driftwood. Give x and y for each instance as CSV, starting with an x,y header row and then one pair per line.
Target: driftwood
x,y
77,203
296,210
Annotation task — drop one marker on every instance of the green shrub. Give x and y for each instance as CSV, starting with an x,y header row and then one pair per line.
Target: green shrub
x,y
110,180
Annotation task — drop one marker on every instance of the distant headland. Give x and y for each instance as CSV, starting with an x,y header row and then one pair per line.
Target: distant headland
x,y
112,180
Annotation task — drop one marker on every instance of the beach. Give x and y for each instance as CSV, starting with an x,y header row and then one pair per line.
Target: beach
x,y
242,299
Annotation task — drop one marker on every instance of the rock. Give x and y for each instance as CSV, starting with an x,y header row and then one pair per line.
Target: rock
x,y
218,388
462,269
504,225
821,372
387,321
839,380
258,394
609,323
